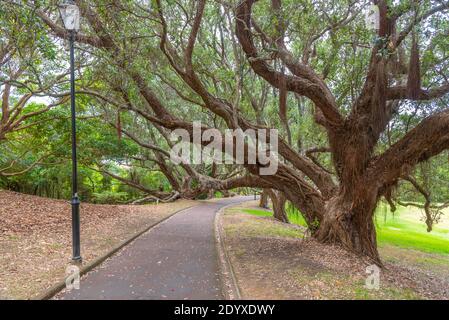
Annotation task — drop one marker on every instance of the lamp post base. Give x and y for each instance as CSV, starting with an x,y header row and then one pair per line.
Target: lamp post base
x,y
77,260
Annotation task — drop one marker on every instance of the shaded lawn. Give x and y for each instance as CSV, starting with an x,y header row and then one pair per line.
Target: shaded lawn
x,y
403,228
293,216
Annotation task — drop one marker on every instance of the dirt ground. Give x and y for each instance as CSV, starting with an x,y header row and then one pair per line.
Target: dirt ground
x,y
273,260
35,237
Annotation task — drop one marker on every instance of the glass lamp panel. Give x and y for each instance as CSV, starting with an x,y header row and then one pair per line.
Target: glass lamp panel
x,y
71,17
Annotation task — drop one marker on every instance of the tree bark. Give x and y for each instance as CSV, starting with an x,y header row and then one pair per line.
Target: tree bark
x,y
278,199
226,193
348,221
263,202
211,194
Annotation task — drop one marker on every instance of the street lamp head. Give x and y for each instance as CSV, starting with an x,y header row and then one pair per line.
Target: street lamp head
x,y
70,15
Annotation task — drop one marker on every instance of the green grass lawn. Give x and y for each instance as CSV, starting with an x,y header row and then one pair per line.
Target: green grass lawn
x,y
293,217
403,228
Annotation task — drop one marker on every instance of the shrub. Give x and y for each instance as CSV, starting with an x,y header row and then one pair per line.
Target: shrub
x,y
109,197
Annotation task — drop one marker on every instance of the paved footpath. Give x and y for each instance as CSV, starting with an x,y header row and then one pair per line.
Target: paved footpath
x,y
176,259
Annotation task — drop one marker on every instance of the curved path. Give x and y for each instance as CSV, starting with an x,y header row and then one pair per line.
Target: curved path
x,y
176,259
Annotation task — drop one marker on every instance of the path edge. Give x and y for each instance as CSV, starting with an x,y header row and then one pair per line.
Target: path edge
x,y
55,289
229,285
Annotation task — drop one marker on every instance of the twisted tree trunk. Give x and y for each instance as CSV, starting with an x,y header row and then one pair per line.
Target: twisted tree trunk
x,y
348,221
278,199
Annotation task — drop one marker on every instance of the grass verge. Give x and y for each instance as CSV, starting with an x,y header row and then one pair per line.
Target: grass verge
x,y
272,261
402,228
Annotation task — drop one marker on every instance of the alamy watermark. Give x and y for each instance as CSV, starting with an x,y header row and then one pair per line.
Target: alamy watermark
x,y
372,282
209,145
72,280
372,17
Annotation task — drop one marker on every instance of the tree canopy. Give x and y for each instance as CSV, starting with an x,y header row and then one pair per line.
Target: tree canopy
x,y
362,113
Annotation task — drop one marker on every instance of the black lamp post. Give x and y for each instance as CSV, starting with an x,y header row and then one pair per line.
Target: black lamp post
x,y
70,16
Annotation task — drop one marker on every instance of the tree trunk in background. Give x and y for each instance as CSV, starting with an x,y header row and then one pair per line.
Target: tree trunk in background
x,y
226,193
263,202
278,199
211,194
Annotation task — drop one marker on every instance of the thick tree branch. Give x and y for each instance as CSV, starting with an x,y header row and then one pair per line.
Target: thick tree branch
x,y
301,83
402,92
428,139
